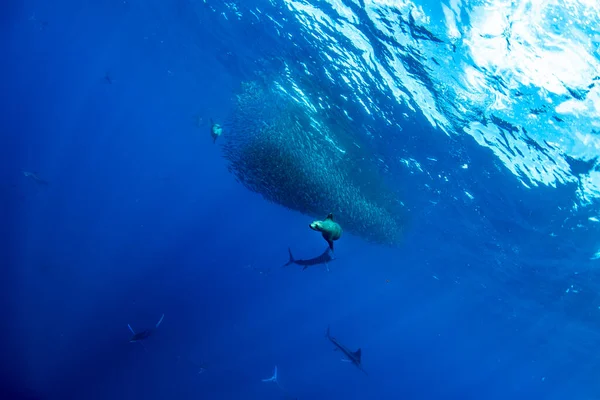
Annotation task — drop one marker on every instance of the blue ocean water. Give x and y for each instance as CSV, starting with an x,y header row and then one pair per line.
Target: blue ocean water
x,y
116,206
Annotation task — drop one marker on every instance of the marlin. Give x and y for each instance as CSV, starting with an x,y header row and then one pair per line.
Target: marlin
x,y
352,356
33,176
322,259
275,379
145,334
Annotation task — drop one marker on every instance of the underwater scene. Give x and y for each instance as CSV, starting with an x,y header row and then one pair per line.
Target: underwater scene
x,y
300,199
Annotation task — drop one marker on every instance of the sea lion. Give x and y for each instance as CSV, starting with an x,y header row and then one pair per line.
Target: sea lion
x,y
215,130
330,229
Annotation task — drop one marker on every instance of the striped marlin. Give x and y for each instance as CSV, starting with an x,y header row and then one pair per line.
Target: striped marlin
x,y
33,176
322,259
352,356
145,334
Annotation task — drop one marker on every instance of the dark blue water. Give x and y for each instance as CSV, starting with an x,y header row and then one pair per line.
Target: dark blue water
x,y
490,297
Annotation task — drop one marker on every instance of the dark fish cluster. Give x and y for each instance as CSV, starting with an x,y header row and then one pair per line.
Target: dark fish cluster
x,y
279,148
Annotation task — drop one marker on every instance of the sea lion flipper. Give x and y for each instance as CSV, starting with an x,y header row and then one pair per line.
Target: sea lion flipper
x,y
329,216
330,244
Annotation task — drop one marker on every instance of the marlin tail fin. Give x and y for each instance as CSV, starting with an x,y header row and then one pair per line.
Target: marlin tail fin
x,y
291,260
357,355
273,378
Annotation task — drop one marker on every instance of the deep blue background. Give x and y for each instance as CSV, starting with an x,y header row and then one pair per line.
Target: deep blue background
x,y
142,218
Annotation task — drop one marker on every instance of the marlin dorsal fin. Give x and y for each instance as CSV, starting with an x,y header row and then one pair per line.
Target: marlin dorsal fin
x,y
329,216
